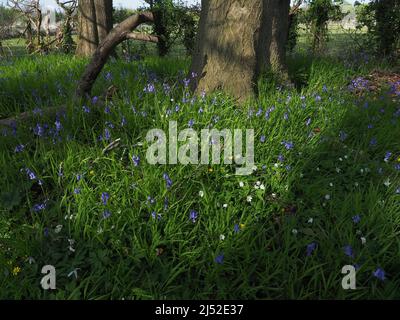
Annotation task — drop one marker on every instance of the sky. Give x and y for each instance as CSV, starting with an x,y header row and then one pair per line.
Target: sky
x,y
132,4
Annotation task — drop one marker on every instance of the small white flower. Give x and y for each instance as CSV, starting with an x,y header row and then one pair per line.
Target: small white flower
x,y
331,184
58,228
294,231
273,195
221,237
317,168
387,182
256,187
363,240
31,260
340,159
258,183
311,220
345,156
362,170
356,184
249,198
225,205
301,175
241,184
201,193
338,170
262,187
327,197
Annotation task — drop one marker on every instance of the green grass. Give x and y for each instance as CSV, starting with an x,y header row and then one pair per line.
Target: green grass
x,y
265,240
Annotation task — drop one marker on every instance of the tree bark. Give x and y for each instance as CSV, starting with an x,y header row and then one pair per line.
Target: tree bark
x,y
236,42
95,22
88,36
103,18
120,33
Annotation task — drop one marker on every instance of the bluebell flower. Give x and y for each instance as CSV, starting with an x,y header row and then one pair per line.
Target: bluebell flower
x,y
136,160
342,136
19,148
46,232
38,130
308,122
310,248
373,142
77,191
388,154
107,134
220,258
106,214
191,122
236,228
95,99
105,197
30,173
288,144
356,218
286,116
380,274
262,138
39,207
168,180
193,215
259,112
86,109
348,251
281,158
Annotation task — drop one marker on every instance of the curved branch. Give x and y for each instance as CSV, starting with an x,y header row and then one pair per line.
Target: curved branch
x,y
118,34
142,37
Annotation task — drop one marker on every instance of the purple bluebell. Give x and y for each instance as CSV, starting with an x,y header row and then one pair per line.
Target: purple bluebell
x,y
262,138
193,215
236,228
220,258
342,136
39,207
380,274
19,148
105,197
136,160
356,218
106,214
348,251
168,180
388,154
288,144
310,248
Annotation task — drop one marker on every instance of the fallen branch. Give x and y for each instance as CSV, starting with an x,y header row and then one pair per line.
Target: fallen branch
x,y
118,34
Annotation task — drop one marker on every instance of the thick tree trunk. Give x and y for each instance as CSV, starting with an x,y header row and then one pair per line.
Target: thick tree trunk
x,y
237,41
120,33
103,18
88,36
279,15
95,22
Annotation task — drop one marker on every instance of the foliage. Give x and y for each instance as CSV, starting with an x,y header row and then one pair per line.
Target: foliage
x,y
328,198
382,20
317,17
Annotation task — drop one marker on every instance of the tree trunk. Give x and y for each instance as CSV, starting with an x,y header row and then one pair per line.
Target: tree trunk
x,y
88,36
103,18
95,22
236,42
118,34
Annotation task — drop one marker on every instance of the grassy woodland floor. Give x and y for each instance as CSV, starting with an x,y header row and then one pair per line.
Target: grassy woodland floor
x,y
325,194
